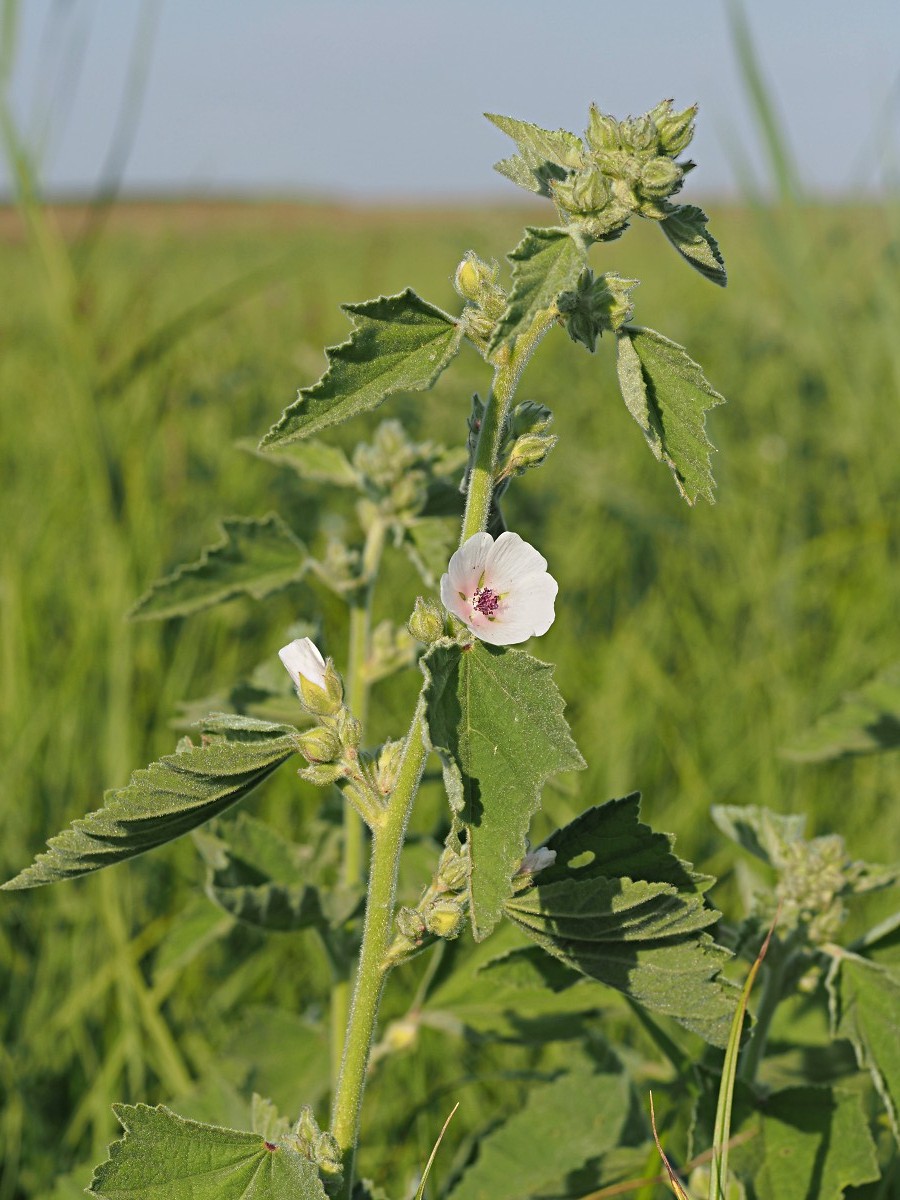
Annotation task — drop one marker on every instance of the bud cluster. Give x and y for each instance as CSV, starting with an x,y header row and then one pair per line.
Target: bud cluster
x,y
526,440
476,282
319,1147
441,912
628,168
595,305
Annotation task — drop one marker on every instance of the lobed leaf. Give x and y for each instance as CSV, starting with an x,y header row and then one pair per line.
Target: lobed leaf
x,y
398,343
545,263
668,395
618,906
864,1003
254,558
867,721
167,799
686,230
496,719
544,154
164,1154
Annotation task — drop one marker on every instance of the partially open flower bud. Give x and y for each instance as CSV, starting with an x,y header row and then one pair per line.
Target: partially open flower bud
x,y
318,683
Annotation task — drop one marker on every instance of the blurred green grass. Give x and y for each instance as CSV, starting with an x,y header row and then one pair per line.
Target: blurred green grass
x,y
692,644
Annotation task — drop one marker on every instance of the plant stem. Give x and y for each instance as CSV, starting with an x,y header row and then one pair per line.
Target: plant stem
x,y
387,842
776,969
507,372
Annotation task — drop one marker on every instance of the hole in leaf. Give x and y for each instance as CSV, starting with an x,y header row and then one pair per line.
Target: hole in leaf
x,y
581,860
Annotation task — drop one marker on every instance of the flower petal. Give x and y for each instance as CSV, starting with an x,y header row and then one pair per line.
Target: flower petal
x,y
468,563
302,658
511,560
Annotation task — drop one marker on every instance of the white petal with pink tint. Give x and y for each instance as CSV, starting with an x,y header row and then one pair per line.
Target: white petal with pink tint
x,y
501,589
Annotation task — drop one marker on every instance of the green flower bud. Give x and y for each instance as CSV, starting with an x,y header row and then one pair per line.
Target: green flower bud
x,y
387,764
427,622
529,451
603,131
306,1132
444,918
349,729
473,276
660,177
327,1154
324,700
453,870
411,924
529,417
582,191
319,745
639,134
596,305
321,774
675,129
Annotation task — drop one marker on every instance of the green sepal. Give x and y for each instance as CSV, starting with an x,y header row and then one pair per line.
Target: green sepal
x,y
545,263
686,230
495,718
618,906
398,343
262,879
544,154
169,798
164,1154
255,557
668,395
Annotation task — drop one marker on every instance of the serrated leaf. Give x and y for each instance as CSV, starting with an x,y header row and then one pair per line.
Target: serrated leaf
x,y
496,719
314,461
806,1143
864,1003
398,343
686,230
254,558
164,1154
261,878
545,263
668,395
544,154
564,1125
167,799
618,906
867,721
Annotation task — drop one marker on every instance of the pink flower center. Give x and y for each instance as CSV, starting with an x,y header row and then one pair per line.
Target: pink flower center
x,y
485,601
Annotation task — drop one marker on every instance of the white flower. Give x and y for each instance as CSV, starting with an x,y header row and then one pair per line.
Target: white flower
x,y
501,590
537,860
303,660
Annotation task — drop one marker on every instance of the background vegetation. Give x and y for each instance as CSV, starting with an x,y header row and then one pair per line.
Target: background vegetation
x,y
697,643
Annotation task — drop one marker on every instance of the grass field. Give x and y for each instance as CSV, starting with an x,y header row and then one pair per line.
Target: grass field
x,y
693,644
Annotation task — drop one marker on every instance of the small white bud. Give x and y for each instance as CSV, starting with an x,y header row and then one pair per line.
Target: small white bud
x,y
302,660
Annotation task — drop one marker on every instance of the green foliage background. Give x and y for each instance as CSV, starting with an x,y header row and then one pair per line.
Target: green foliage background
x,y
692,644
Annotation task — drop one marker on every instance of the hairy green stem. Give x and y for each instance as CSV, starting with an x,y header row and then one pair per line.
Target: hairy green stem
x,y
507,372
387,842
776,967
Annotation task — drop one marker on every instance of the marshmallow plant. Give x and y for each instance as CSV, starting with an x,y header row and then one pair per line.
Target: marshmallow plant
x,y
513,943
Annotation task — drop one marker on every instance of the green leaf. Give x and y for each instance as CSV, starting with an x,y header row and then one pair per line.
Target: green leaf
x,y
545,263
544,154
314,461
668,395
564,1126
167,799
686,230
806,1143
496,719
254,558
398,343
263,879
760,831
618,906
864,1002
163,1154
867,721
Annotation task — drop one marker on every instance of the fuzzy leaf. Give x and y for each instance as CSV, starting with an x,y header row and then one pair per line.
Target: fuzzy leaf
x,y
314,461
864,999
545,263
254,558
760,831
686,230
164,1154
618,906
167,799
867,721
398,343
261,878
544,154
668,395
496,719
563,1125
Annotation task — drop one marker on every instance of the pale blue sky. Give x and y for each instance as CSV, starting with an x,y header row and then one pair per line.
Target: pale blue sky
x,y
384,99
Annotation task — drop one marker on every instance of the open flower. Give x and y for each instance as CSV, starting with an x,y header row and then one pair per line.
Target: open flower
x,y
303,660
500,589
